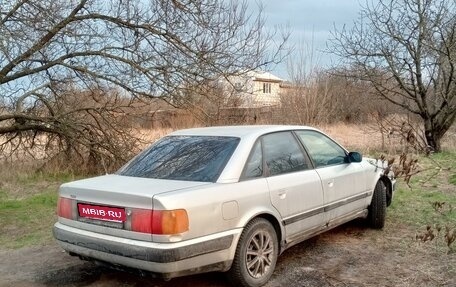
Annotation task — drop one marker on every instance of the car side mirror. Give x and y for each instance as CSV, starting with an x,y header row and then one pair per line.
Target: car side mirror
x,y
354,157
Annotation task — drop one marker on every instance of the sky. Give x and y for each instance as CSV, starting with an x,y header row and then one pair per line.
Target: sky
x,y
310,23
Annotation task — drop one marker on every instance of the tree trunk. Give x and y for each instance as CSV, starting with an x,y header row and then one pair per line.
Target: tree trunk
x,y
433,140
434,133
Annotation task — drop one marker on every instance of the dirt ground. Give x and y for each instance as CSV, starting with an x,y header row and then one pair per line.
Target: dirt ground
x,y
351,255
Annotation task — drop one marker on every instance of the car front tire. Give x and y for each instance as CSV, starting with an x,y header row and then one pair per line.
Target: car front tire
x,y
377,208
256,254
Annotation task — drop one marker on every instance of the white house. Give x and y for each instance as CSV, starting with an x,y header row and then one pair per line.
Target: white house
x,y
256,89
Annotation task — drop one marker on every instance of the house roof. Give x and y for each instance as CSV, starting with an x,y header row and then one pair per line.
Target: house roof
x,y
264,76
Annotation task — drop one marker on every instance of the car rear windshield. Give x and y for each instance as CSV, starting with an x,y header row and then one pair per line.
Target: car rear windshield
x,y
190,158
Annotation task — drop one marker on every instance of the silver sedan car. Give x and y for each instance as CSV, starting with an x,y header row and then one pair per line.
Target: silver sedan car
x,y
220,199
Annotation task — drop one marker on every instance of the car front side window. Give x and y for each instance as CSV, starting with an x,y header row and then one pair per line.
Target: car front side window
x,y
322,149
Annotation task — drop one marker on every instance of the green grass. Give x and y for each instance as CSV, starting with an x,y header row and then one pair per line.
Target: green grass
x,y
27,221
28,179
413,206
28,208
452,179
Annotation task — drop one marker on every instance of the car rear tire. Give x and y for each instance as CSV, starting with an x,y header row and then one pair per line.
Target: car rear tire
x,y
256,254
377,208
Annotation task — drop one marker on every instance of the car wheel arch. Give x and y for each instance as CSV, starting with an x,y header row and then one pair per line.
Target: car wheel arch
x,y
273,219
277,227
256,254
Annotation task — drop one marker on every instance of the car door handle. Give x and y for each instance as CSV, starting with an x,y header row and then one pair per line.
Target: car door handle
x,y
282,193
331,183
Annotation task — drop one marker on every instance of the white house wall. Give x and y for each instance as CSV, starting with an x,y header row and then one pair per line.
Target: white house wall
x,y
250,89
266,99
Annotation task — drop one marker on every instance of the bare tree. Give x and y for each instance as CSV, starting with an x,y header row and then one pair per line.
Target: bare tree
x,y
407,50
136,48
306,99
89,131
208,103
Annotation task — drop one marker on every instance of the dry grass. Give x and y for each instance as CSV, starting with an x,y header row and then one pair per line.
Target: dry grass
x,y
149,136
368,140
349,135
365,138
354,137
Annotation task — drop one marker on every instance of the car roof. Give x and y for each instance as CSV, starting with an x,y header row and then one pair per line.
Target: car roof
x,y
239,131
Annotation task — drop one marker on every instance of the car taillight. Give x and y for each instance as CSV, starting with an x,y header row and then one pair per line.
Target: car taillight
x,y
172,221
141,220
159,221
65,207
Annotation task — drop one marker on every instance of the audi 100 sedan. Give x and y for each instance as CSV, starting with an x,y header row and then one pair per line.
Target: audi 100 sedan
x,y
220,199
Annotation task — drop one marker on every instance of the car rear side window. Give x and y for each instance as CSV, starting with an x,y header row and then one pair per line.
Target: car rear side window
x,y
191,158
283,153
254,166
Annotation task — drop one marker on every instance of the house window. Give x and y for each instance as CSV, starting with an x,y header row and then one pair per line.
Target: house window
x,y
266,88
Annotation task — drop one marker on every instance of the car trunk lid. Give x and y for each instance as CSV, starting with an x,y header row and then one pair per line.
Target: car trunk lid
x,y
109,201
116,190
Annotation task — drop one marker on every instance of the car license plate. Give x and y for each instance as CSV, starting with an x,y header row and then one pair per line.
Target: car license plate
x,y
107,213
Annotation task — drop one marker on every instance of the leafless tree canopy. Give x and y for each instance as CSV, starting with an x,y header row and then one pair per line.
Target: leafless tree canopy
x,y
132,48
316,96
407,50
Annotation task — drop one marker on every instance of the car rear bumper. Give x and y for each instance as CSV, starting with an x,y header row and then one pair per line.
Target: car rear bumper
x,y
204,254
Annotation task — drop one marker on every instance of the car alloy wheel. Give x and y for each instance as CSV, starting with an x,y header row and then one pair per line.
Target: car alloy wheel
x,y
260,254
256,254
